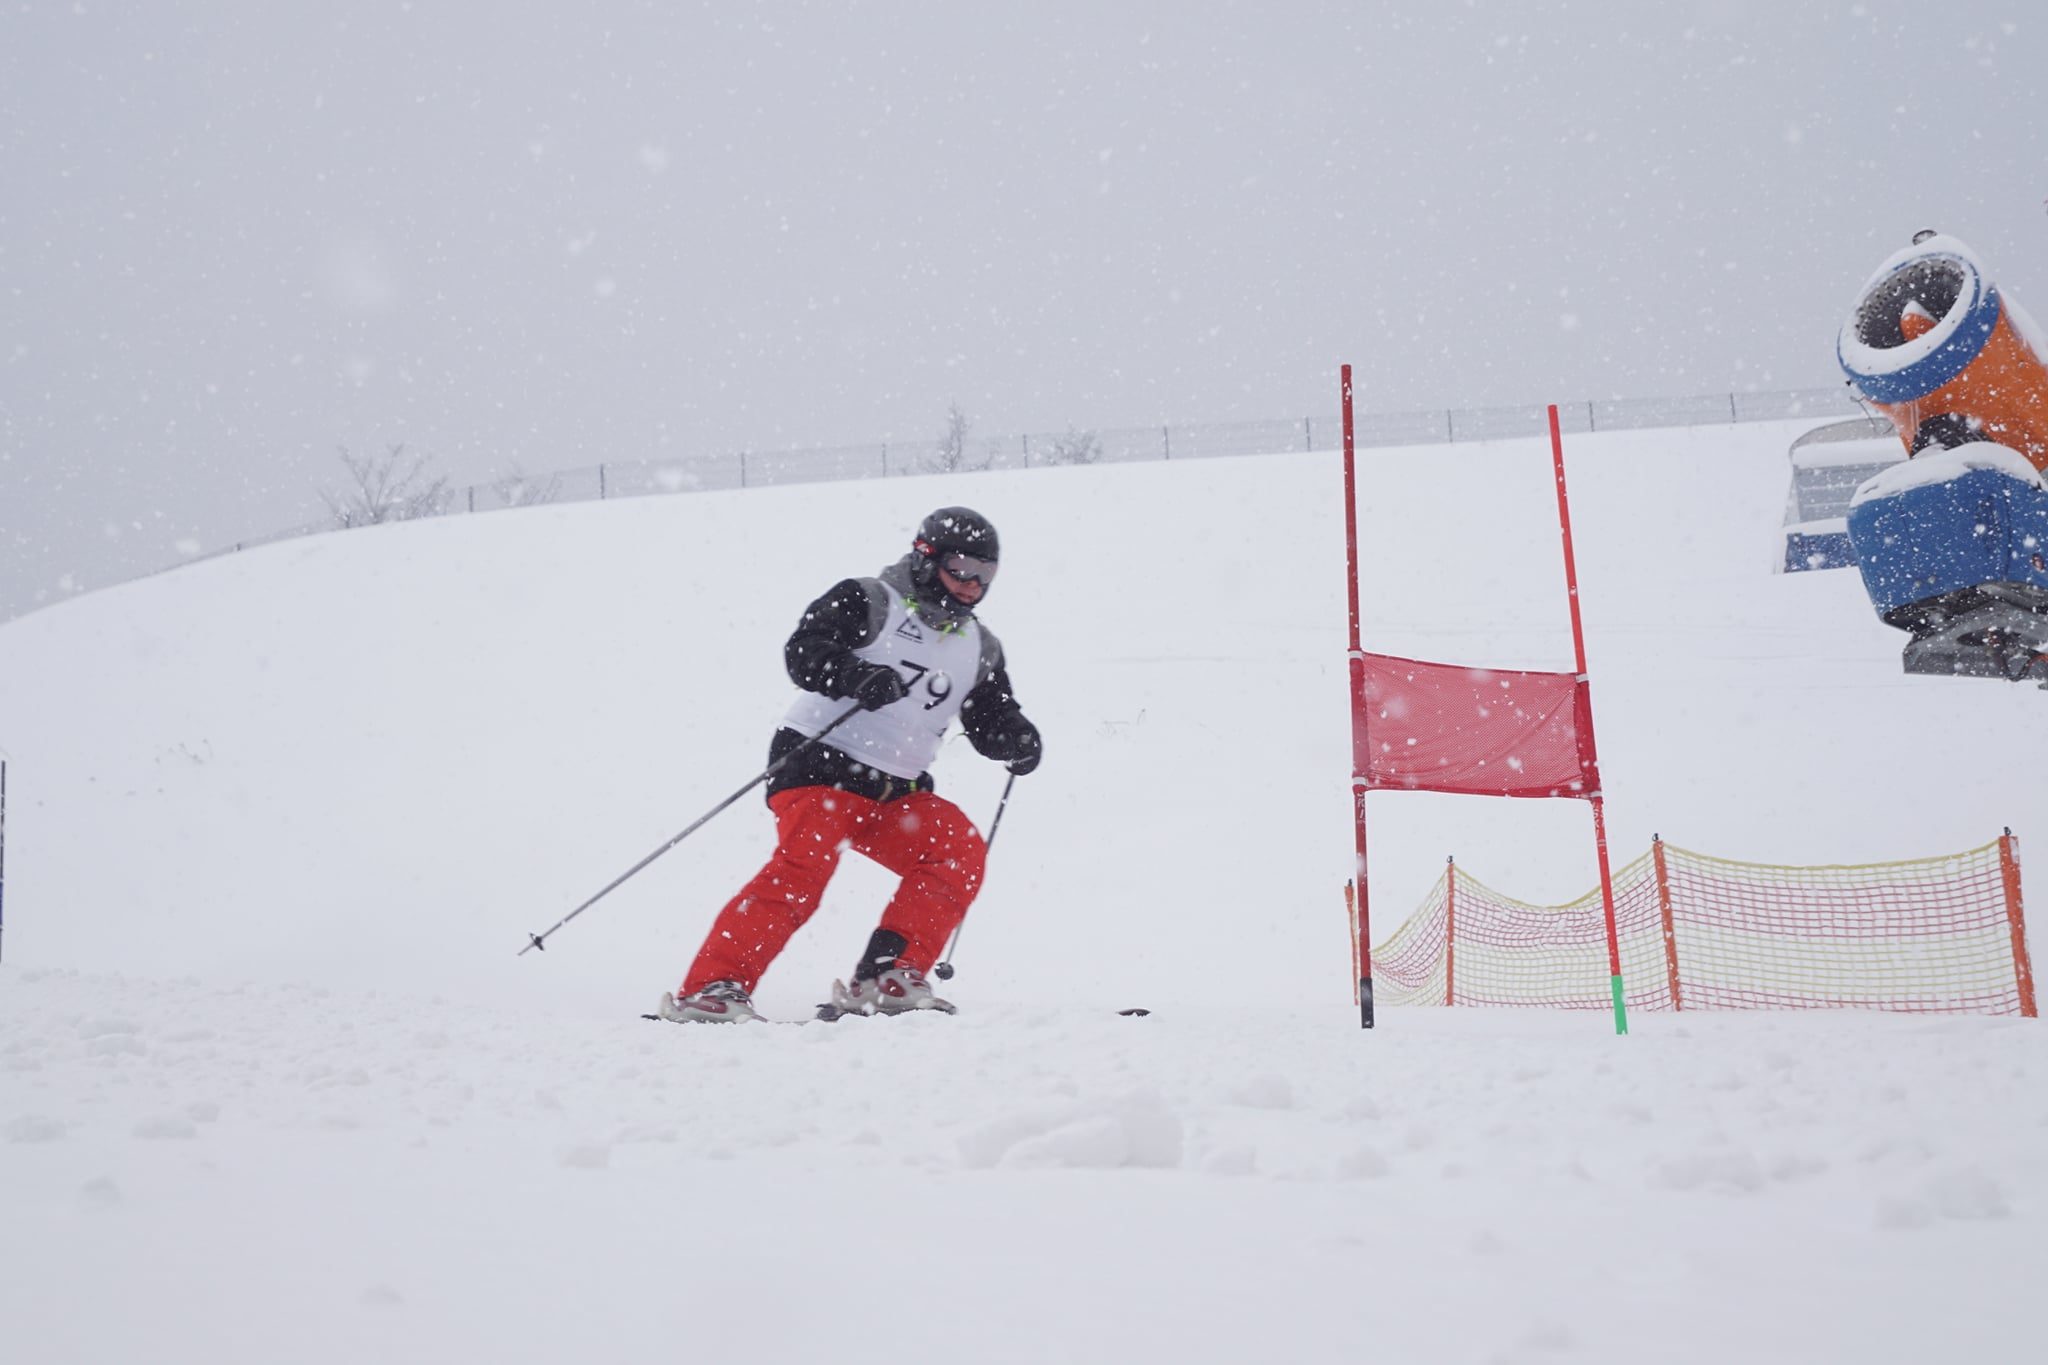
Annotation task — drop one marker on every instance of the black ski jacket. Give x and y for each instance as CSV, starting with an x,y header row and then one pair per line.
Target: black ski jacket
x,y
820,657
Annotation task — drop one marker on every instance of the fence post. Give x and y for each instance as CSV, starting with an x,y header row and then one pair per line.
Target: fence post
x,y
1450,428
1664,914
601,494
1450,931
1589,415
2016,917
1731,409
1308,433
1166,443
743,469
471,490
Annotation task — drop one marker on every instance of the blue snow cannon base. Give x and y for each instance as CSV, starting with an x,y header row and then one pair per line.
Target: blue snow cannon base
x,y
1963,565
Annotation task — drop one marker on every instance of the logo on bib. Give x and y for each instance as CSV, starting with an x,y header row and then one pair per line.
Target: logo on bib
x,y
909,629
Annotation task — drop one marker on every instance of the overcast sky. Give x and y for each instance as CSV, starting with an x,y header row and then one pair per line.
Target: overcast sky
x,y
236,237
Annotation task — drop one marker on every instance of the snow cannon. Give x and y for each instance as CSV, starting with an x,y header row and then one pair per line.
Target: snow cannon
x,y
1934,346
1953,544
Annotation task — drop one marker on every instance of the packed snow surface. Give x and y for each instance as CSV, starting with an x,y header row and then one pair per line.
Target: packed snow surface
x,y
276,1086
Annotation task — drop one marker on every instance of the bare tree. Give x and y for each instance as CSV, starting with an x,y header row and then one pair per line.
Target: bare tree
x,y
520,489
950,456
394,487
1074,447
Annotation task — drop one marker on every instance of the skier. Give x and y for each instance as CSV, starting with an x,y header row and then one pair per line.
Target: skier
x,y
906,651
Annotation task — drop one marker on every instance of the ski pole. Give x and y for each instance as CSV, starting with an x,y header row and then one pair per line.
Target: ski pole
x,y
540,940
944,970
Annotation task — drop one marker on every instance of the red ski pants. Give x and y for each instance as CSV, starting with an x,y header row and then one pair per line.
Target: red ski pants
x,y
922,838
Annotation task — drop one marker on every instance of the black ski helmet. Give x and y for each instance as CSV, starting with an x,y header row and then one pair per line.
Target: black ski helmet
x,y
950,530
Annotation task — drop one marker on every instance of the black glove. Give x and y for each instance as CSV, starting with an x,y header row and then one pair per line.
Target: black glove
x,y
1027,748
878,687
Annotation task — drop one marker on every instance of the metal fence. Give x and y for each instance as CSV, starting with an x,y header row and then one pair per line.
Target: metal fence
x,y
1830,463
1036,450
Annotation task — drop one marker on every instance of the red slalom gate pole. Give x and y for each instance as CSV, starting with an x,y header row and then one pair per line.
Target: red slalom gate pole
x,y
1351,927
1592,754
1357,657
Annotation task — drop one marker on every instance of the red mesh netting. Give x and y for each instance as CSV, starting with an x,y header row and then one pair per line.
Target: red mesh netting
x,y
1479,731
1936,935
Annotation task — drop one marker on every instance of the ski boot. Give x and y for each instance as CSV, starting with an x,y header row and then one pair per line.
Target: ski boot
x,y
900,990
721,1002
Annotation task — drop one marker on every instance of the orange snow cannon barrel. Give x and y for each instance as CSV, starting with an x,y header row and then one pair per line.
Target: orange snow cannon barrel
x,y
1935,346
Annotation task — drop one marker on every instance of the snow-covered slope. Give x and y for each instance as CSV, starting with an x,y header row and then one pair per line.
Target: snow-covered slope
x,y
194,1174
274,1083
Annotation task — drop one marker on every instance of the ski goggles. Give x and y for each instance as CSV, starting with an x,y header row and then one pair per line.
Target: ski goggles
x,y
969,568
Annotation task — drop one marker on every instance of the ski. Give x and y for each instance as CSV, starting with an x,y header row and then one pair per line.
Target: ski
x,y
757,1019
829,1013
826,1014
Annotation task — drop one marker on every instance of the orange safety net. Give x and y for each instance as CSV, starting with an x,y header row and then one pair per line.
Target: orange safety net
x,y
1935,935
